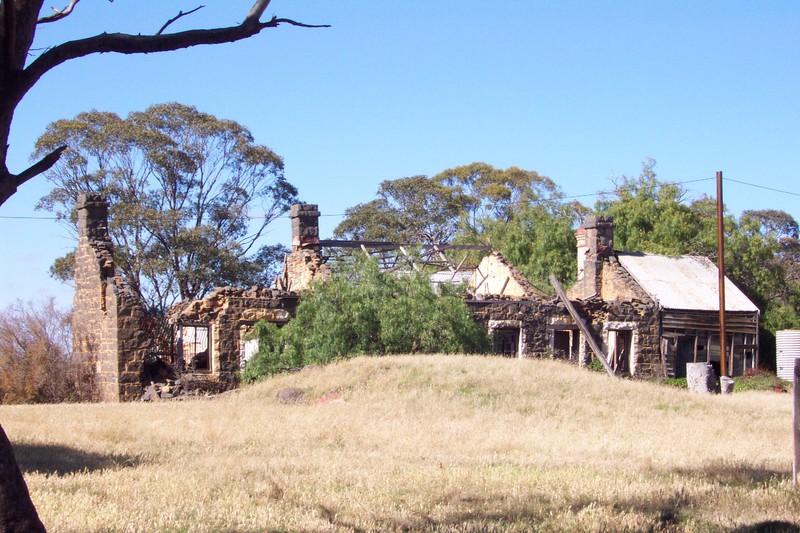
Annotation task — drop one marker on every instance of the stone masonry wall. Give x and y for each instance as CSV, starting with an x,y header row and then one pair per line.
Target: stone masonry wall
x,y
642,313
229,311
533,314
106,316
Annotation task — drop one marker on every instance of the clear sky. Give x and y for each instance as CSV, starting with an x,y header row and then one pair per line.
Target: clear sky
x,y
580,91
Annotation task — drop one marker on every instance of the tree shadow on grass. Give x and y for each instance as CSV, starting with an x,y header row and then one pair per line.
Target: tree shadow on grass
x,y
55,459
734,474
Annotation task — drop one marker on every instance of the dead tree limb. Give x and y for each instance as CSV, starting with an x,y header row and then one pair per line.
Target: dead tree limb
x,y
176,17
58,15
19,19
17,513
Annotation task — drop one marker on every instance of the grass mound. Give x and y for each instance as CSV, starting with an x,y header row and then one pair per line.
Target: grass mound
x,y
438,443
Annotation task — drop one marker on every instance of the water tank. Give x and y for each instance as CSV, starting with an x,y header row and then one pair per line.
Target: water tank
x,y
788,341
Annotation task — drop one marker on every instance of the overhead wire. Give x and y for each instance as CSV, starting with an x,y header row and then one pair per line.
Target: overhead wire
x,y
570,197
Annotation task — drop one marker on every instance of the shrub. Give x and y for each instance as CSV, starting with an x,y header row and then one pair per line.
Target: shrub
x,y
760,379
363,311
36,364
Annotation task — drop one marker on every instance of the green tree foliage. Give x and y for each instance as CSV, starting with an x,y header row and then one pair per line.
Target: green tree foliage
x,y
36,364
363,311
763,254
539,242
190,196
761,248
517,212
499,195
650,215
407,210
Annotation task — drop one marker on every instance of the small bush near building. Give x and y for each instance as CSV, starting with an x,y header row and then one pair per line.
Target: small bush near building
x,y
363,311
760,379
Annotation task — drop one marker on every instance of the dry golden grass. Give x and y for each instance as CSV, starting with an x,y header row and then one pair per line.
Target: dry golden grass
x,y
419,443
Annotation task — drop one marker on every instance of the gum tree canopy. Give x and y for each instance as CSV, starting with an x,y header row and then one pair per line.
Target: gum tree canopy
x,y
18,22
190,194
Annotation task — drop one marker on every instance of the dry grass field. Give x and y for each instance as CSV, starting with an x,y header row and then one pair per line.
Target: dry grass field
x,y
431,443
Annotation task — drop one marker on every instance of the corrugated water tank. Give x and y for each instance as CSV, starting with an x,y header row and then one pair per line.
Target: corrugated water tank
x,y
788,341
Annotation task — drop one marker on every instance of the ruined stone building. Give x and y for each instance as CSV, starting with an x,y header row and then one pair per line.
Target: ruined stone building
x,y
648,314
645,315
656,313
108,319
203,339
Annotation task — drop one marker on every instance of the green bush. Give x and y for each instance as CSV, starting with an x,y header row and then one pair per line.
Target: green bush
x,y
363,311
595,365
679,383
760,379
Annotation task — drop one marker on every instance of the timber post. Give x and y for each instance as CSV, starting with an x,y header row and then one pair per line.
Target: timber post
x,y
796,423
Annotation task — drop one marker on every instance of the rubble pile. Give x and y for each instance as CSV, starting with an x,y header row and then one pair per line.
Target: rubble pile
x,y
182,389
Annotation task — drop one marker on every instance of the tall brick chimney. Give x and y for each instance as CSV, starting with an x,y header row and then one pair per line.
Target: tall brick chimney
x,y
305,226
595,243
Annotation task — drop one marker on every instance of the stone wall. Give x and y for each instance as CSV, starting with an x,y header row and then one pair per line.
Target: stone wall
x,y
642,315
533,315
231,312
106,314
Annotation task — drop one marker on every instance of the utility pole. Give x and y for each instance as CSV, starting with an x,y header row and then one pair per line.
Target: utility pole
x,y
723,352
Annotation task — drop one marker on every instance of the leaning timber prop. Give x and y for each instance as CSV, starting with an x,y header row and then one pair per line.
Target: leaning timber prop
x,y
581,325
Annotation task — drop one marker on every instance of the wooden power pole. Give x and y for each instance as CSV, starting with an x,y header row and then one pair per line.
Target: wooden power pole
x,y
723,352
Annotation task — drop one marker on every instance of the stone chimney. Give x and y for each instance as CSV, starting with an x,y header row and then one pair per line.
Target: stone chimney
x,y
595,241
305,226
93,237
305,262
92,217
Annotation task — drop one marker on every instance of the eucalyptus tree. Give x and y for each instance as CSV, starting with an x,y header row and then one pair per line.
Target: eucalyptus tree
x,y
415,210
190,195
518,212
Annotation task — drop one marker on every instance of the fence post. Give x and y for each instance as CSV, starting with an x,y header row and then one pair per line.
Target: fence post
x,y
796,422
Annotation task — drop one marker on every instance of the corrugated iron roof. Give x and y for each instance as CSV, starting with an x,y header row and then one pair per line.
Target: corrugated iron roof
x,y
684,282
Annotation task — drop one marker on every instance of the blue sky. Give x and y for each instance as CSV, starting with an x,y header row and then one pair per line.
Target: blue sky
x,y
580,91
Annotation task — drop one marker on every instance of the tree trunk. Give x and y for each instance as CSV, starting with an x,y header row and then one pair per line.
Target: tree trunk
x,y
17,513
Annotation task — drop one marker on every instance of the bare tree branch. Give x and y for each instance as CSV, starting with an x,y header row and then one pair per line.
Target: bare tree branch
x,y
40,166
256,11
58,15
17,29
144,44
176,17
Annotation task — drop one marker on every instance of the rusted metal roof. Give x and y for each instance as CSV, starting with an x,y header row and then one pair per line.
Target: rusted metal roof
x,y
684,282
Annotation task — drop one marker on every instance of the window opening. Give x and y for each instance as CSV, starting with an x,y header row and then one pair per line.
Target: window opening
x,y
565,343
506,341
195,347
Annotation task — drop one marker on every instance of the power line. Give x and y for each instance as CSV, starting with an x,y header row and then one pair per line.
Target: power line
x,y
761,187
29,218
600,193
570,197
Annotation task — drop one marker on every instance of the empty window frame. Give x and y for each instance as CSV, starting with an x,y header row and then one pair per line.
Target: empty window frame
x,y
508,338
195,347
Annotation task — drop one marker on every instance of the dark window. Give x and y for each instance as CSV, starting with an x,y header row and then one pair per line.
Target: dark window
x,y
506,341
565,344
